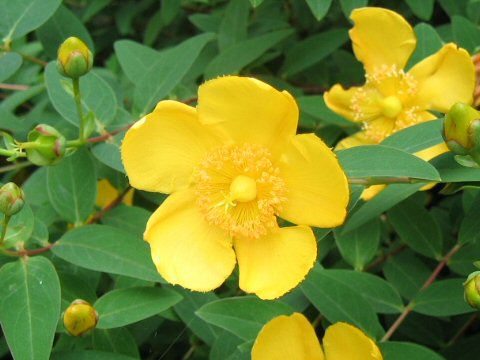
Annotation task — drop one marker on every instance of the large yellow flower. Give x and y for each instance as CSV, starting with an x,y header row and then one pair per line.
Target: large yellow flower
x,y
293,338
232,165
392,98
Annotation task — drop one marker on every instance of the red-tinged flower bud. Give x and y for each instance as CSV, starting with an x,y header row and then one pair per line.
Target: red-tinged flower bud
x,y
74,58
46,145
79,318
472,290
461,129
12,199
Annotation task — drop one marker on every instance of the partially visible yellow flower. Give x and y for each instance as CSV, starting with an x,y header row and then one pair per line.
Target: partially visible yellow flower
x,y
106,194
391,98
232,166
293,338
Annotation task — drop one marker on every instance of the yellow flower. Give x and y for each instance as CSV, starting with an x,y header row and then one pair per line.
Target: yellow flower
x,y
106,194
292,337
232,165
391,98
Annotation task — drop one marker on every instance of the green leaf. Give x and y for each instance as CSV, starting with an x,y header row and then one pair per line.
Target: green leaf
x,y
29,306
319,8
186,310
359,246
349,5
22,16
315,107
118,341
135,59
462,261
59,27
312,50
451,171
109,154
339,302
97,96
167,71
226,343
129,218
406,273
72,187
256,3
394,350
20,227
125,306
384,161
417,228
379,293
237,56
233,27
428,42
390,196
423,9
242,316
104,248
470,226
10,62
442,298
417,137
465,33
89,355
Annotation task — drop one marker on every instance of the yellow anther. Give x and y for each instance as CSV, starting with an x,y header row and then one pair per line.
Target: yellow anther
x,y
243,188
391,106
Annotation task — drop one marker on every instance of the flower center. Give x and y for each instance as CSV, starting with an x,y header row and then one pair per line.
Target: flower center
x,y
386,94
243,188
391,106
240,190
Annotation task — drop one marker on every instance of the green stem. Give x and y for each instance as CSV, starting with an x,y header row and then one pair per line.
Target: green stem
x,y
15,166
78,103
385,180
6,220
75,143
5,152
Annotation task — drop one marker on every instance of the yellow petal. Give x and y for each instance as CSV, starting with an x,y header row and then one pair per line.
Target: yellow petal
x,y
317,188
246,110
339,100
287,338
106,194
185,249
430,153
343,341
272,265
444,78
372,191
357,139
160,150
381,37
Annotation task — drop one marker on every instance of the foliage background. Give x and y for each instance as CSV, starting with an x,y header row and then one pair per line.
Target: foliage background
x,y
405,253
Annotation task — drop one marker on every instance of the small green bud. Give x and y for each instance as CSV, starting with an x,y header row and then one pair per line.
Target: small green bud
x,y
46,145
79,318
472,290
74,58
12,199
461,129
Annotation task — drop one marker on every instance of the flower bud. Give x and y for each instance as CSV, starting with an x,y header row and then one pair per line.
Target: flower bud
x,y
79,318
74,58
472,290
461,129
12,199
46,145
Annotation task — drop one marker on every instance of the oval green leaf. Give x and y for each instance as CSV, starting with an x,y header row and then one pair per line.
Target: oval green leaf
x,y
126,306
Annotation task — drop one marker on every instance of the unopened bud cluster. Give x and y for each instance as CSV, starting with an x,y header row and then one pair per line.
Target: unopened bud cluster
x,y
74,58
12,199
79,318
461,131
46,145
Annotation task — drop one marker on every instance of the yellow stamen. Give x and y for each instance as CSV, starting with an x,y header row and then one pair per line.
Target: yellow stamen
x,y
238,189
